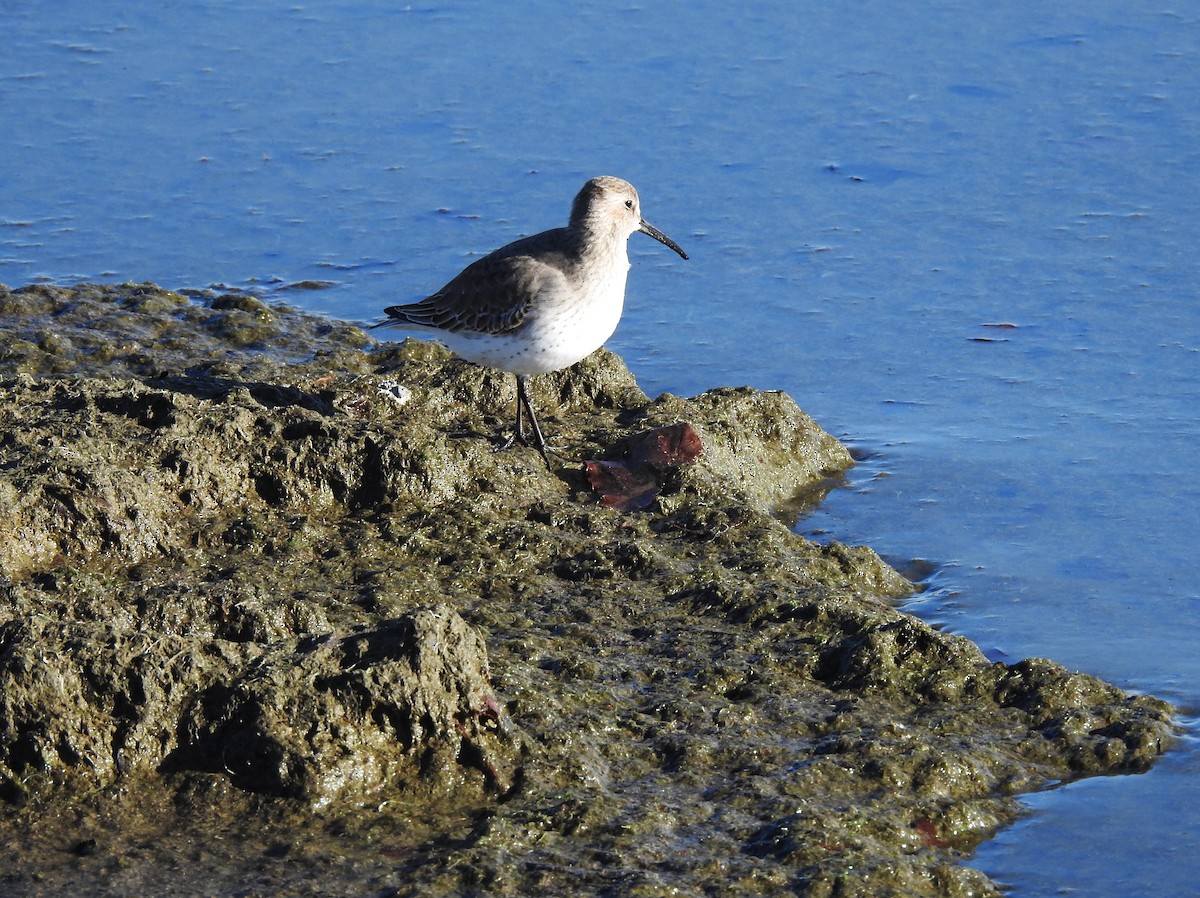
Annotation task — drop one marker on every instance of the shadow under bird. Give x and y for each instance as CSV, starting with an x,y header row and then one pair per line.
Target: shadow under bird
x,y
541,303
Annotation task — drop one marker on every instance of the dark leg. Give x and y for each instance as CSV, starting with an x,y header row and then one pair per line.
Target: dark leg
x,y
523,400
518,434
525,407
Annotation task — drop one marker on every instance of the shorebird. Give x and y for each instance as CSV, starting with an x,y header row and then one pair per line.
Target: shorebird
x,y
543,302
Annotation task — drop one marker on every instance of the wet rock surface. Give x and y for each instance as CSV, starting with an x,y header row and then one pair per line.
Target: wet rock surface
x,y
276,619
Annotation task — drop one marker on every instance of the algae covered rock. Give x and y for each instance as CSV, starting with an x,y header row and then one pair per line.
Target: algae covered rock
x,y
758,442
93,701
406,702
269,590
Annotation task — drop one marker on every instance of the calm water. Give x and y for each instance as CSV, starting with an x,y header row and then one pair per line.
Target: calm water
x,y
867,194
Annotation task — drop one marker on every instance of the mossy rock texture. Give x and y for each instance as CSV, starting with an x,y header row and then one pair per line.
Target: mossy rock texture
x,y
277,618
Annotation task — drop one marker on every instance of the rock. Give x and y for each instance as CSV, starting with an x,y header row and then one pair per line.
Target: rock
x,y
272,604
406,704
319,719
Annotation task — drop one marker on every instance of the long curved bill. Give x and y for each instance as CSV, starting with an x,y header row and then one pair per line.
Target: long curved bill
x,y
662,238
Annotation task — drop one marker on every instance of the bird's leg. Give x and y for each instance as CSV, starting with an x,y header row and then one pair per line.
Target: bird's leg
x,y
518,434
519,429
525,407
523,400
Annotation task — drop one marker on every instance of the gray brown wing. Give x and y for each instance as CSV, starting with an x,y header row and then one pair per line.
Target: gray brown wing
x,y
492,295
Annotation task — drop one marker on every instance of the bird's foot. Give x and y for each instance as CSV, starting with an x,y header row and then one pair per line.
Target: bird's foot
x,y
544,449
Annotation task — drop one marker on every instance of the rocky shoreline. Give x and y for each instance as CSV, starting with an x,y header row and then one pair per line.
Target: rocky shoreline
x,y
276,619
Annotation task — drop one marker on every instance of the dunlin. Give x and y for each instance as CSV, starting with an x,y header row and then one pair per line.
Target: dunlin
x,y
543,302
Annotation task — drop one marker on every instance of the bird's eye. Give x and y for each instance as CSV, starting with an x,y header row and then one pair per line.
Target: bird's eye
x,y
629,204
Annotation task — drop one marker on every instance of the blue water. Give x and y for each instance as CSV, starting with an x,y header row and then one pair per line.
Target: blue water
x,y
964,238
